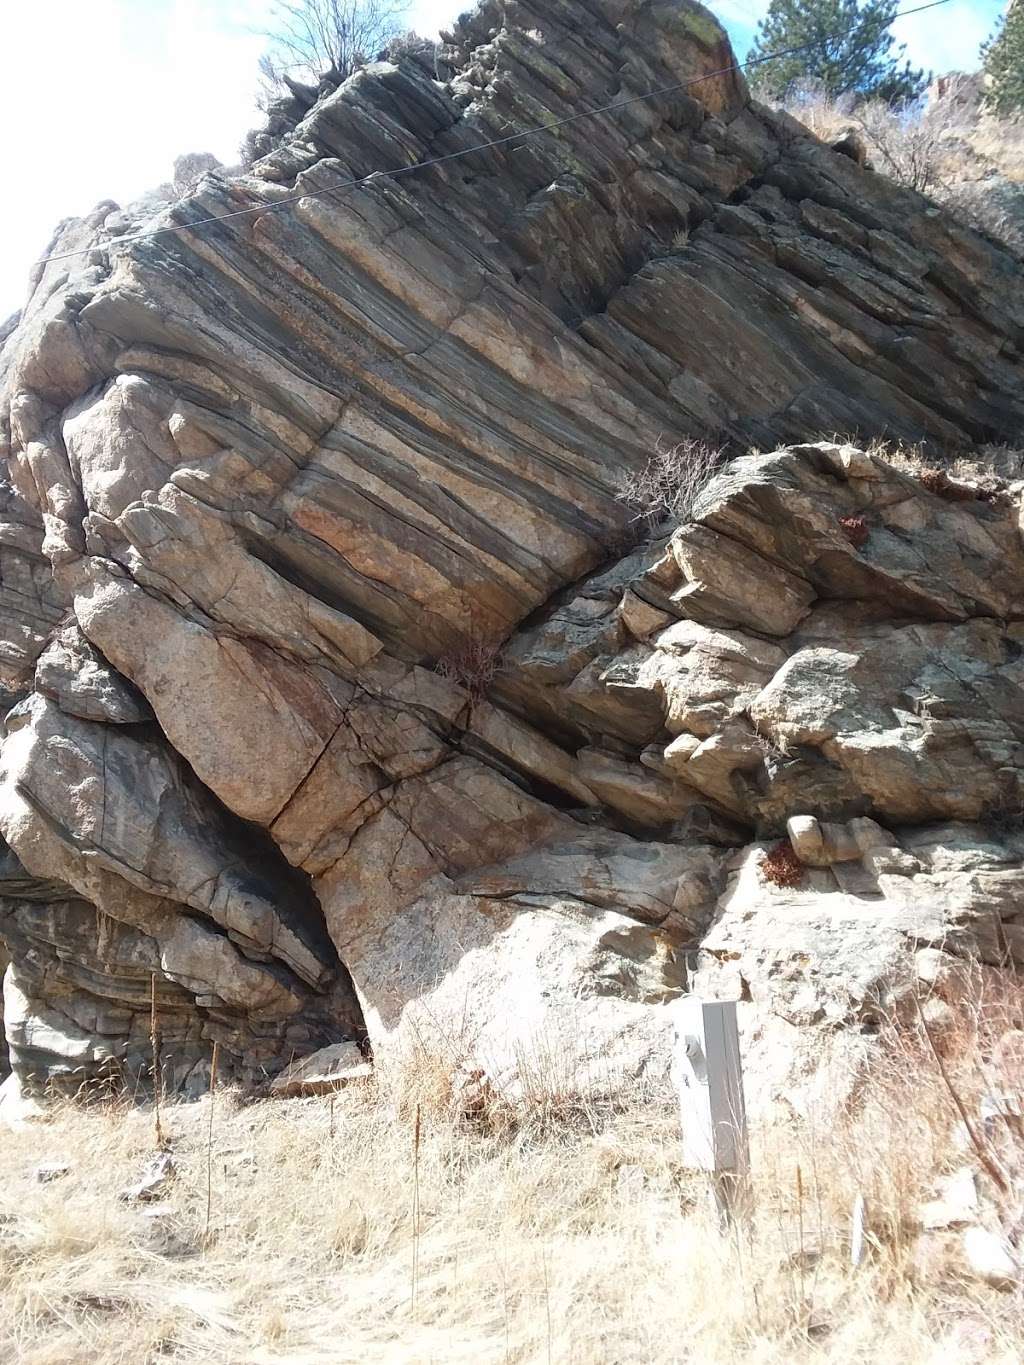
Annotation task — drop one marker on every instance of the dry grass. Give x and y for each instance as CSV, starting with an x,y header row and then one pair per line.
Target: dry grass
x,y
581,1241
908,457
990,466
969,160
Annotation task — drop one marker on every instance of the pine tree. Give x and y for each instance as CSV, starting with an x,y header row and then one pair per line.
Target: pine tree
x,y
846,47
1003,59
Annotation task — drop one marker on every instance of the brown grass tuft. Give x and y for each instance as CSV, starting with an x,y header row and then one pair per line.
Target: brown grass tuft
x,y
937,481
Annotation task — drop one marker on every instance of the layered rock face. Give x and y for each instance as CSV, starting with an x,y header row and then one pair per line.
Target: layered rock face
x,y
339,704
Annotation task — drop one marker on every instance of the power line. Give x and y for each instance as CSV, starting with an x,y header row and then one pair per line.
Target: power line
x,y
464,151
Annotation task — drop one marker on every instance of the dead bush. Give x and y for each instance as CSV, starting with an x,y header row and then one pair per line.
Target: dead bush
x,y
992,206
912,146
668,486
472,664
949,147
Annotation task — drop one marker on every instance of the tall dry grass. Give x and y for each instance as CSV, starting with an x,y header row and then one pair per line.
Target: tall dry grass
x,y
966,158
391,1224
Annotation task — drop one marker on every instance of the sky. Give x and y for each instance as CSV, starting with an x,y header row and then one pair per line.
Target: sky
x,y
98,97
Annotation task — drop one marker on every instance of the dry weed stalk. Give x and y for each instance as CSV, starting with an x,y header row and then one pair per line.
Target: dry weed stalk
x,y
415,1210
984,1156
547,1300
154,1038
209,1142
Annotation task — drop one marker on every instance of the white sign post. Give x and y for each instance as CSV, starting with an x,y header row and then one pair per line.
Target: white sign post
x,y
710,1083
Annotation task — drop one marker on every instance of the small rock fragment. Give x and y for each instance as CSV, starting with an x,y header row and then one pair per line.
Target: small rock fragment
x,y
323,1071
990,1257
153,1181
955,1202
806,837
51,1170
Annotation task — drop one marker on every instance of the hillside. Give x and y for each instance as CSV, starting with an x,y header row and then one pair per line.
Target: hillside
x,y
457,614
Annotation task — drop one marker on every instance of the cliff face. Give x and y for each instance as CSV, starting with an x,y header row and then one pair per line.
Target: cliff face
x,y
340,706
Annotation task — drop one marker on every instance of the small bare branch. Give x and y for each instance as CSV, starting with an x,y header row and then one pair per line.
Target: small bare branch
x,y
670,483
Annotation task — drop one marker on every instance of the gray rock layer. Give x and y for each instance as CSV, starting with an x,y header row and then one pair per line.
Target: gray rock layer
x,y
339,708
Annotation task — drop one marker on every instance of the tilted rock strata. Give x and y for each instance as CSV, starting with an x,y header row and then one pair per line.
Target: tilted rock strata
x,y
281,486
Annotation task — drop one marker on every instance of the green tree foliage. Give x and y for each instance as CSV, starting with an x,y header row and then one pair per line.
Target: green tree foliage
x,y
1003,57
846,45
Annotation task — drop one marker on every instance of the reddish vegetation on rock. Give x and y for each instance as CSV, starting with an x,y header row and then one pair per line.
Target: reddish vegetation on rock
x,y
780,866
855,529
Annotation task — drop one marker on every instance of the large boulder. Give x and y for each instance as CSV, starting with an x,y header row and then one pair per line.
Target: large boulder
x,y
342,696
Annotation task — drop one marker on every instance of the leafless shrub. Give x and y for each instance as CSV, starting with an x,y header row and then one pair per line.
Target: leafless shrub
x,y
910,143
989,206
190,169
912,146
670,482
772,746
780,866
472,665
855,529
827,116
967,159
681,239
328,39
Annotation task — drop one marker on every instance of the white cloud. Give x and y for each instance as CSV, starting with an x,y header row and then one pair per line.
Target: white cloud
x,y
429,16
97,100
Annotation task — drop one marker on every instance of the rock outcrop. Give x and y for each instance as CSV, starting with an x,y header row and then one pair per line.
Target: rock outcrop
x,y
340,706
